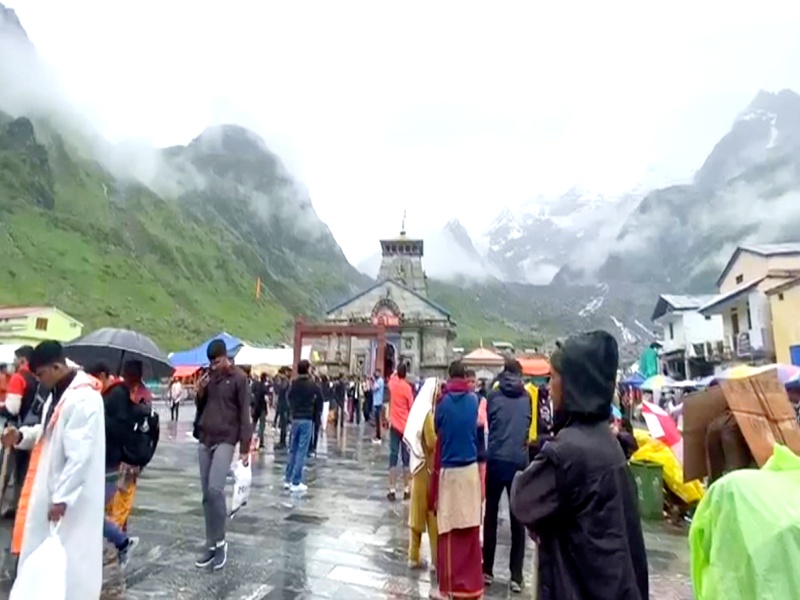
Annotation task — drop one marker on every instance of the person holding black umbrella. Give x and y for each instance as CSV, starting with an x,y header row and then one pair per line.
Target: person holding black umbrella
x,y
223,409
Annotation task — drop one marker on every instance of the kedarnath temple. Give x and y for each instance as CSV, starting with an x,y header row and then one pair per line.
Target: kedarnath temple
x,y
419,331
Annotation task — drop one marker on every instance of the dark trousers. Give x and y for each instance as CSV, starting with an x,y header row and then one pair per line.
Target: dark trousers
x,y
494,491
378,423
312,446
173,411
356,411
367,406
261,421
284,423
17,469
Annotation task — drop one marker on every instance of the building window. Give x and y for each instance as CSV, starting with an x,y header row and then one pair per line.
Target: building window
x,y
671,332
739,279
708,317
41,324
409,343
780,296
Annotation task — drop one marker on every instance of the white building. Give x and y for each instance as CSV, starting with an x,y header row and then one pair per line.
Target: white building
x,y
690,339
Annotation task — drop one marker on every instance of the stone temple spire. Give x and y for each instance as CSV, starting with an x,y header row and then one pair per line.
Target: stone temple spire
x,y
401,261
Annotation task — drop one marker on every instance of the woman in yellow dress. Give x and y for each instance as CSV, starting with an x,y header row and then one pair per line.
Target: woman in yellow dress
x,y
421,516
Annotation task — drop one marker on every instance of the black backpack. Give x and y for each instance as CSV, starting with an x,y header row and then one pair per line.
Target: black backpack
x,y
144,430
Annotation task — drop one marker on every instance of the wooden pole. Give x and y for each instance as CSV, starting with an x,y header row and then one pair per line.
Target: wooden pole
x,y
298,342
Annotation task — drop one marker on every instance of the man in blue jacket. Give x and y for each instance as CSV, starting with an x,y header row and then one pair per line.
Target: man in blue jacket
x,y
508,418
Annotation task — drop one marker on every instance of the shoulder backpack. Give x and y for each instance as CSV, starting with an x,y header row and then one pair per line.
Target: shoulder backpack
x,y
144,430
30,412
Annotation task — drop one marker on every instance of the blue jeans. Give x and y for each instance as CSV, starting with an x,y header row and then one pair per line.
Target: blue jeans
x,y
110,530
302,429
397,449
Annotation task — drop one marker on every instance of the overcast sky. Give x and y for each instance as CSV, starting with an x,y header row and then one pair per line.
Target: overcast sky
x,y
440,108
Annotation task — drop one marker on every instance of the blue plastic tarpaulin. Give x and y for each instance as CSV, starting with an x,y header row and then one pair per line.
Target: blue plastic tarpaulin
x,y
634,380
197,357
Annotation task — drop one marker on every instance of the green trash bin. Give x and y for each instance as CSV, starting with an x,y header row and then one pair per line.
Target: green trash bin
x,y
649,480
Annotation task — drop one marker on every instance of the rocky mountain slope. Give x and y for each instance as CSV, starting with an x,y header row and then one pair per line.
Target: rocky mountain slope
x,y
747,190
532,243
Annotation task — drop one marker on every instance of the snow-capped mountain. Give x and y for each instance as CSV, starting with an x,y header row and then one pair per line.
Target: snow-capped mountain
x,y
769,127
747,191
533,243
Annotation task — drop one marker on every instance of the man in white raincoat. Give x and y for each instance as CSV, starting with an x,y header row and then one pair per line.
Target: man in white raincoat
x,y
65,480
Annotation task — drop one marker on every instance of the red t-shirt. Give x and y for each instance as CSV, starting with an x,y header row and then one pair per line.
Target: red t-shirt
x,y
17,386
401,397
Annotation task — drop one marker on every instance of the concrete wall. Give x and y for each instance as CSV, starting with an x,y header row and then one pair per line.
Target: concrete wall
x,y
785,322
699,329
677,340
752,266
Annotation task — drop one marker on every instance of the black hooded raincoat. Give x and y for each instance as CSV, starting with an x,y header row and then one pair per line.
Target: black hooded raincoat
x,y
577,497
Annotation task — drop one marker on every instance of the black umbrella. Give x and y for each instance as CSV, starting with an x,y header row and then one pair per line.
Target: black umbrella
x,y
116,346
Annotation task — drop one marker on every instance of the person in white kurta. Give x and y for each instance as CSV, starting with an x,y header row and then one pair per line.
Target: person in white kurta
x,y
68,483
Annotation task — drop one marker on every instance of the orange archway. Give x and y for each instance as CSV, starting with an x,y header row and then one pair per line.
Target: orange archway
x,y
303,330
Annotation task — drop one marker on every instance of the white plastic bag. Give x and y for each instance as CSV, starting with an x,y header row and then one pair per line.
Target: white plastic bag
x,y
44,573
242,480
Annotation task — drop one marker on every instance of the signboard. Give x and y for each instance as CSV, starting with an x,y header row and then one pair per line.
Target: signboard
x,y
743,344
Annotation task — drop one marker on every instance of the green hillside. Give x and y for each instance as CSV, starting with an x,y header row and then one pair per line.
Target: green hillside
x,y
113,254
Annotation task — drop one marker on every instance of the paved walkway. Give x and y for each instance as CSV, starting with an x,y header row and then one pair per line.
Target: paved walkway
x,y
341,540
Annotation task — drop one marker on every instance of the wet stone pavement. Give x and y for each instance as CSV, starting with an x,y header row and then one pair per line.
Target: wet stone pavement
x,y
341,540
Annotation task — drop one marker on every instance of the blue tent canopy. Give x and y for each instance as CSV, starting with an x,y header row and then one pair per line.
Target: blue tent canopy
x,y
634,380
197,357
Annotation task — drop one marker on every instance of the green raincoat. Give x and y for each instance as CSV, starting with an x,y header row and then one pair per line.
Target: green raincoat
x,y
745,535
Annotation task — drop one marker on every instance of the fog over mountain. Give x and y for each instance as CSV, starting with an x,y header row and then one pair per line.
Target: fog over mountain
x,y
218,209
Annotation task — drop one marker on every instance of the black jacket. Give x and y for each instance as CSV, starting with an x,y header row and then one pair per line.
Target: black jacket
x,y
305,398
224,409
508,409
259,398
578,497
281,386
117,403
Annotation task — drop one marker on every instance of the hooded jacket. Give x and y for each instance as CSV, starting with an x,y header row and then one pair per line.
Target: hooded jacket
x,y
578,497
509,420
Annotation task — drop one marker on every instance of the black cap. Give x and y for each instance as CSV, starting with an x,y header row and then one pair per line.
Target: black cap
x,y
47,353
216,349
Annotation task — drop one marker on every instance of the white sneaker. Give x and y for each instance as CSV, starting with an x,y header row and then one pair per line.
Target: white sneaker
x,y
300,488
286,485
376,442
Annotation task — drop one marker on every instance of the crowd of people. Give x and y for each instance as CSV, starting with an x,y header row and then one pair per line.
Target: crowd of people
x,y
76,441
455,449
566,479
